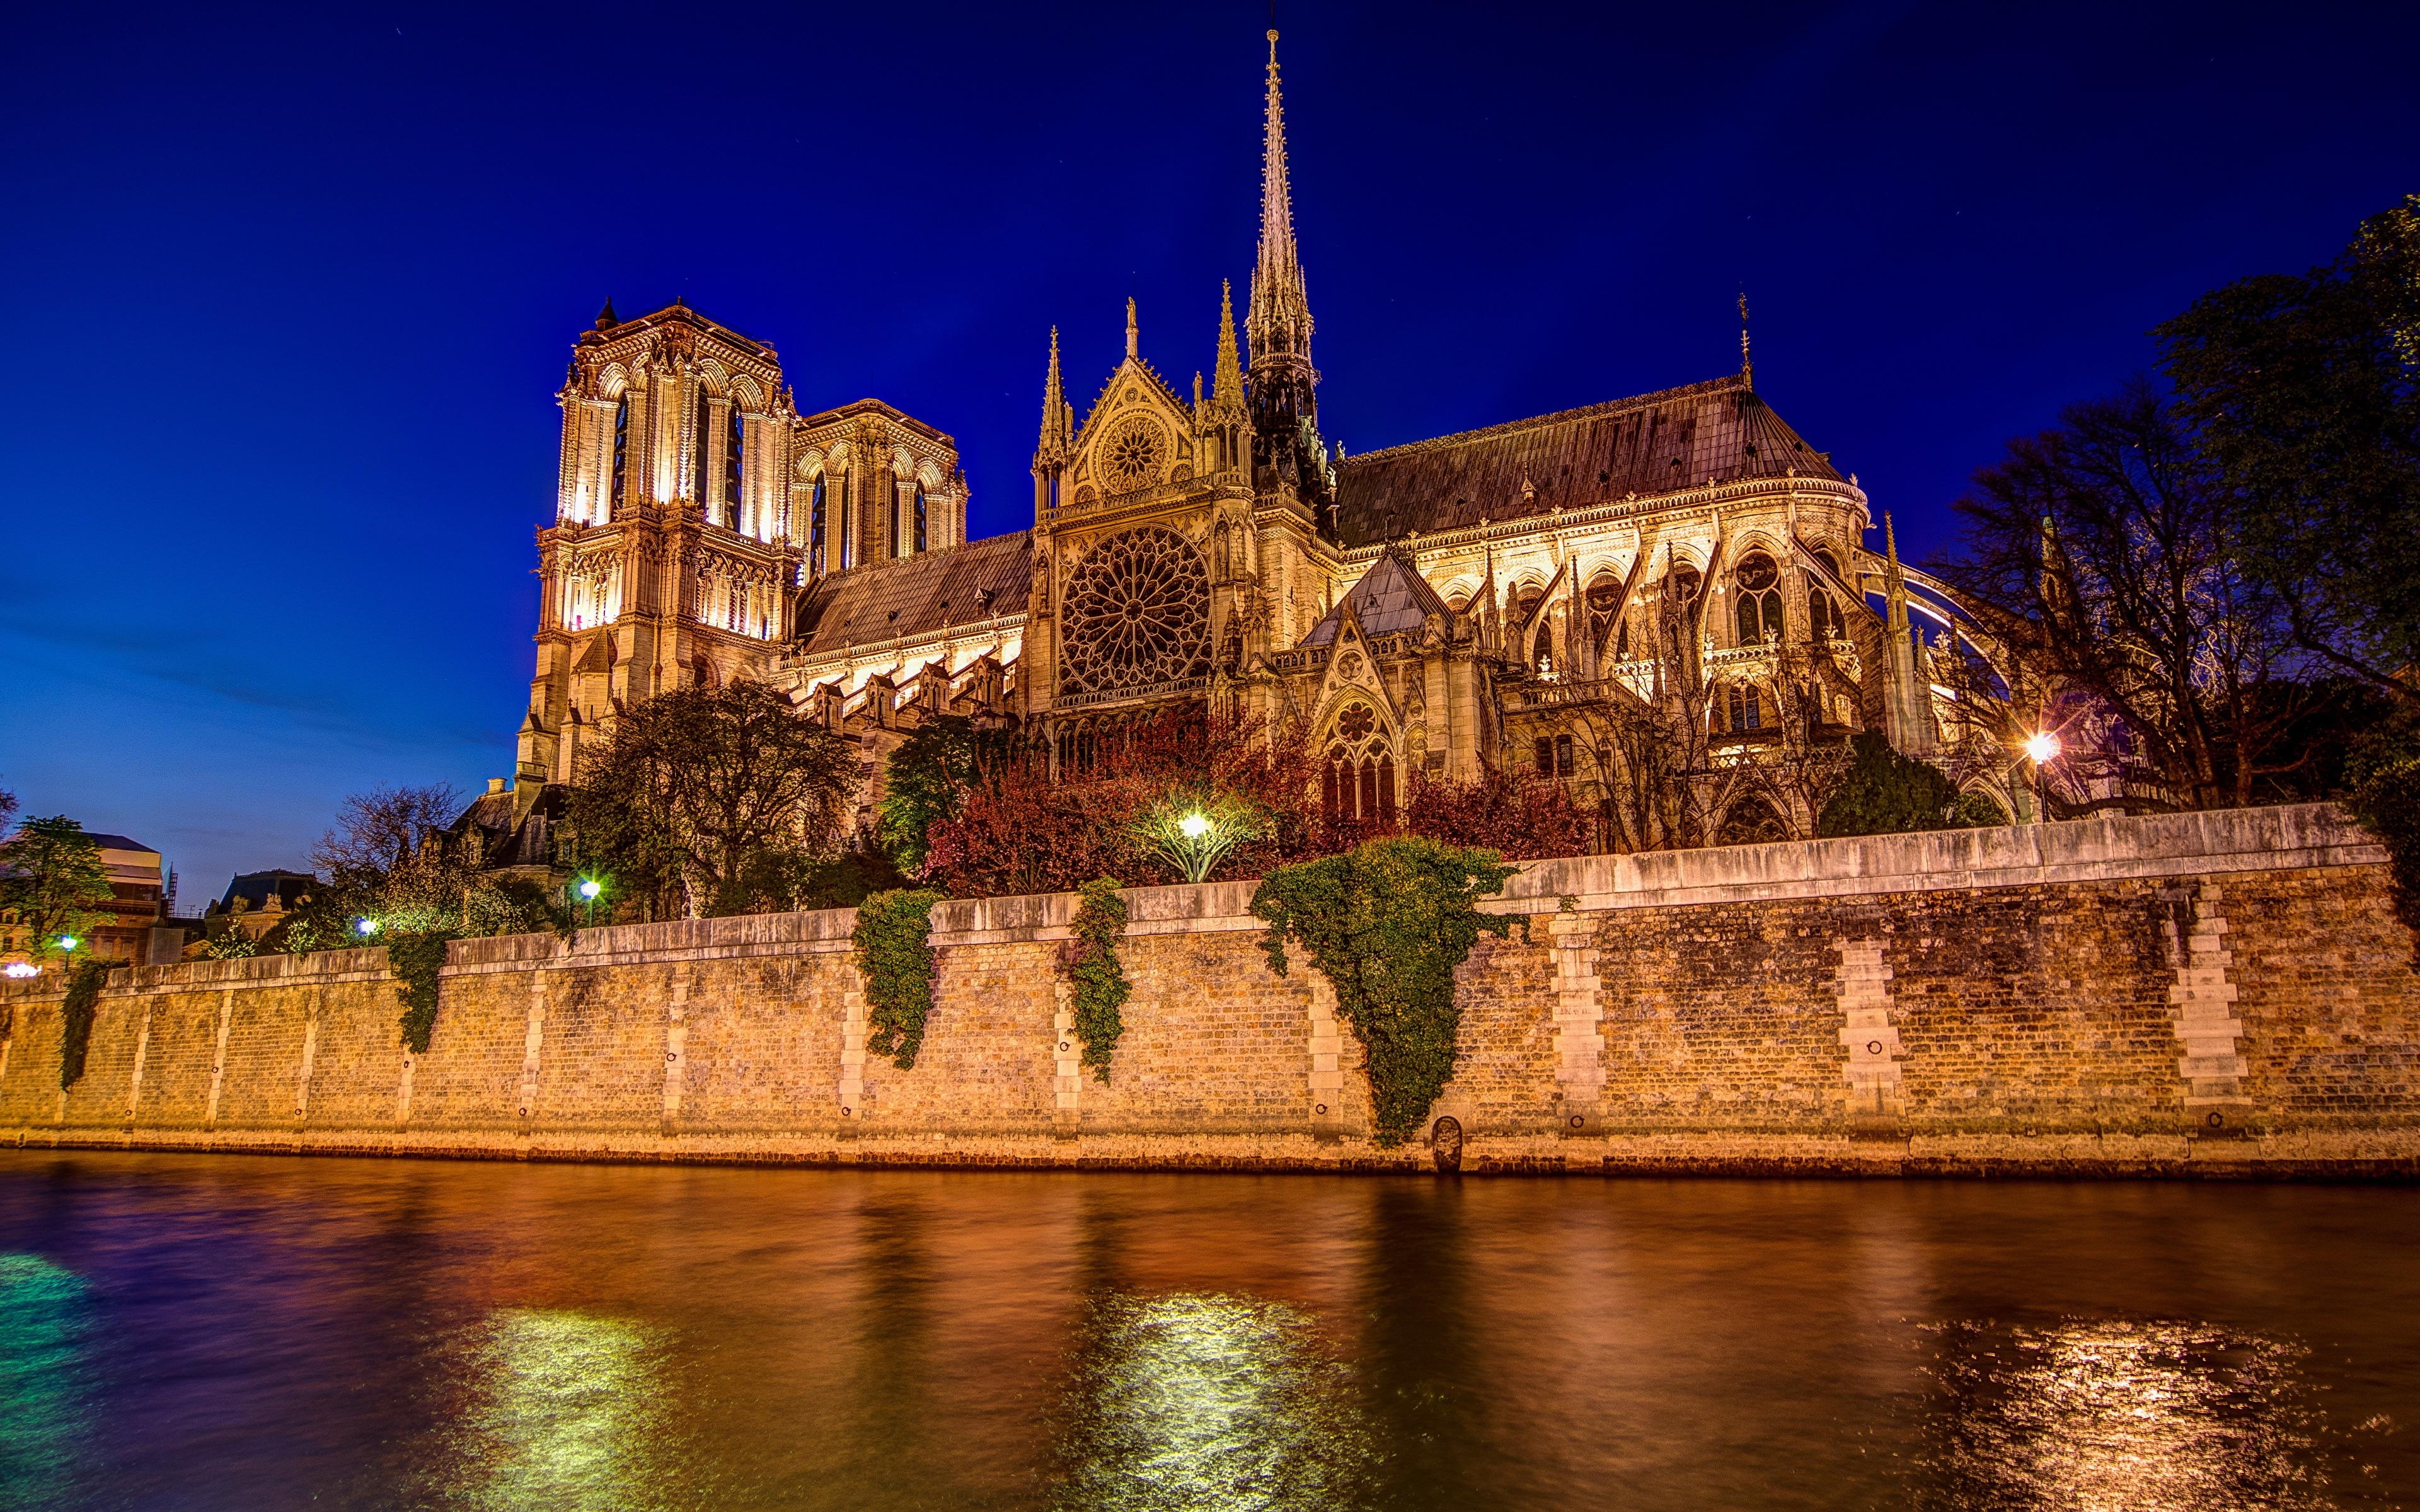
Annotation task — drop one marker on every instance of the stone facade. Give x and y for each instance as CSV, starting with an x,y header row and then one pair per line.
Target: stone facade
x,y
2216,992
1678,569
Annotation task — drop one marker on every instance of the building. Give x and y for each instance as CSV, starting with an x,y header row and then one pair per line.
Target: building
x,y
1669,593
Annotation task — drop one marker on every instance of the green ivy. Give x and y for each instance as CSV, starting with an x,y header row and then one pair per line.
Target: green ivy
x,y
1101,985
1387,925
895,953
417,959
76,1014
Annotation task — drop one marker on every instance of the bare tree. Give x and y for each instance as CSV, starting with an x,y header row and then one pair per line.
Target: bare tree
x,y
2101,554
382,832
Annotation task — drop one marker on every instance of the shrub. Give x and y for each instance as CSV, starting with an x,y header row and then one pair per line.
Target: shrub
x,y
1519,816
76,1014
1387,925
2387,804
1886,794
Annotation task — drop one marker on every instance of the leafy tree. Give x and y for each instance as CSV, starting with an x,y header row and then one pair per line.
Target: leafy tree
x,y
53,882
1022,827
2305,391
381,833
1886,794
926,781
2107,555
1514,814
706,799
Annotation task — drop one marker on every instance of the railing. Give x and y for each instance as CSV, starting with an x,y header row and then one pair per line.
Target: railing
x,y
1145,690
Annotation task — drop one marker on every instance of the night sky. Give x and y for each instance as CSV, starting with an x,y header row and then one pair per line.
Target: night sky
x,y
294,291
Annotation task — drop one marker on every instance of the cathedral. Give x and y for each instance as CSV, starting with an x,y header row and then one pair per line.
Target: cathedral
x,y
1667,601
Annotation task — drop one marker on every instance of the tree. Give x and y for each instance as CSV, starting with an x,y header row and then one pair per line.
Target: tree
x,y
53,882
381,833
2107,555
1886,794
1519,816
704,798
1022,827
2305,391
926,781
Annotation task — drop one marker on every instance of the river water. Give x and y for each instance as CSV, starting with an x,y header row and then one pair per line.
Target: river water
x,y
206,1331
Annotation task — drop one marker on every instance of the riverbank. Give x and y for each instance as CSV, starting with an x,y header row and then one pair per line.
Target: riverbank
x,y
2223,995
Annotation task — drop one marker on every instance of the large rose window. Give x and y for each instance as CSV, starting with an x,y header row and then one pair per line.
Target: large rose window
x,y
1137,611
1132,456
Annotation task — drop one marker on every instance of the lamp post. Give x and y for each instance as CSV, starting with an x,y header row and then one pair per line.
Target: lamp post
x,y
589,889
366,927
2041,748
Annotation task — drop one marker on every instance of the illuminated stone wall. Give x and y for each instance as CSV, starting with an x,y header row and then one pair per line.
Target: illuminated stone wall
x,y
2225,992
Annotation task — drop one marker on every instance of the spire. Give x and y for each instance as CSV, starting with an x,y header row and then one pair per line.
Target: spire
x,y
1279,320
1228,386
605,318
1054,405
1748,367
1134,340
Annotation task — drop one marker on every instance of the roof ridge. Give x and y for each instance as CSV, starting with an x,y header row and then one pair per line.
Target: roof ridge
x,y
1720,385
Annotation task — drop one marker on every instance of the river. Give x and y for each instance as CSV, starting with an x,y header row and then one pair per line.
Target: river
x,y
208,1332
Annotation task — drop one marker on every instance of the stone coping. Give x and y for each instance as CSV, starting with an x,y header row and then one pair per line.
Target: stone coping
x,y
2106,848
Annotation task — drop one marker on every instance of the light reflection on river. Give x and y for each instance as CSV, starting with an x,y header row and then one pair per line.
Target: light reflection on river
x,y
218,1332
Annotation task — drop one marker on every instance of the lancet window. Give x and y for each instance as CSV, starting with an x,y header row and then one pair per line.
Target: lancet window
x,y
1553,755
702,432
1358,784
922,526
817,518
1603,597
621,455
735,442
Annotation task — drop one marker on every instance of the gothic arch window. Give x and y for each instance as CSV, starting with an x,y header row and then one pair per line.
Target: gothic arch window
x,y
1542,655
1603,597
735,442
1823,616
1553,755
621,455
1683,585
924,529
1358,781
1748,708
1758,584
1750,822
818,521
1136,612
703,433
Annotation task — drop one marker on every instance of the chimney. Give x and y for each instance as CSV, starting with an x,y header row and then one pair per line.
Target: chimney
x,y
495,785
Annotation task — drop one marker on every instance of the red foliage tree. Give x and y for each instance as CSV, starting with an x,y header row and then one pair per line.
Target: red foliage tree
x,y
1021,830
1521,818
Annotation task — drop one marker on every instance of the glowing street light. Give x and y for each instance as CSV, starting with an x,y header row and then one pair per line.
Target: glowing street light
x,y
588,890
2041,747
68,943
1195,834
21,969
1195,825
366,927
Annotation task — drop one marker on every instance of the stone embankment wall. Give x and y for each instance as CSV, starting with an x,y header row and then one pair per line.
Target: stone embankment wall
x,y
2218,993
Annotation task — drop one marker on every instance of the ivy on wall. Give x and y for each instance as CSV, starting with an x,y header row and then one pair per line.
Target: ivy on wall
x,y
417,959
76,1014
895,954
1101,985
2387,804
1388,924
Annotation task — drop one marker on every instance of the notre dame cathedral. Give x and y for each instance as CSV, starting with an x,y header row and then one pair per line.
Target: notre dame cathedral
x,y
1659,592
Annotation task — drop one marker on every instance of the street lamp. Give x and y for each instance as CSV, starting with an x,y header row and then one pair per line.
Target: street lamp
x,y
2041,748
589,889
67,944
1194,825
1194,832
366,927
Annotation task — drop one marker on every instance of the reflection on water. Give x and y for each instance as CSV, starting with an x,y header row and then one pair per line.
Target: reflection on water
x,y
227,1333
1209,1401
43,1381
2126,1416
562,1413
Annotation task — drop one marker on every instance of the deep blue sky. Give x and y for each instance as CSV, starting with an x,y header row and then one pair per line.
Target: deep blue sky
x,y
293,291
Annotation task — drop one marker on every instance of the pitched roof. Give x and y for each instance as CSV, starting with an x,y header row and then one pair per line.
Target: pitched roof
x,y
1391,596
1651,444
917,595
118,842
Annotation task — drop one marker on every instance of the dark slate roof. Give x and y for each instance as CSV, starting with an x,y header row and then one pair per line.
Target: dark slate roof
x,y
1391,596
917,594
118,842
253,887
1720,430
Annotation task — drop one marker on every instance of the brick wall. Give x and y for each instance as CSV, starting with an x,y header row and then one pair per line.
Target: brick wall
x,y
2222,992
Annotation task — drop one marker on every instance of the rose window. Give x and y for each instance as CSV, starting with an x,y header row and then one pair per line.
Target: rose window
x,y
1131,457
1136,612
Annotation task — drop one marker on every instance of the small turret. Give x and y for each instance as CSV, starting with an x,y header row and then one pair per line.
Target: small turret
x,y
1058,431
